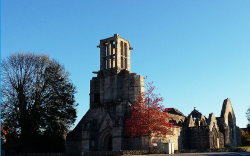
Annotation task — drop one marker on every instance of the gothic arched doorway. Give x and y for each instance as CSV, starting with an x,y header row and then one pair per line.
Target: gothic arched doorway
x,y
108,143
105,140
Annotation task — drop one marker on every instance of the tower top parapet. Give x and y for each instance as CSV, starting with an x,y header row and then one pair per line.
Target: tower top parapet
x,y
114,54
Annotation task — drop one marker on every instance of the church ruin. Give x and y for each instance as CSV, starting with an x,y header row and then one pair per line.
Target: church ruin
x,y
113,91
196,131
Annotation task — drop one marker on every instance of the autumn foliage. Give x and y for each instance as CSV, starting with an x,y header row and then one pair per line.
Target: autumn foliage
x,y
2,130
3,133
147,116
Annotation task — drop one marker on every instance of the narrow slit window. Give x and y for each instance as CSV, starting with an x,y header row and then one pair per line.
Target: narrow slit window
x,y
121,48
122,62
125,63
106,49
125,49
107,63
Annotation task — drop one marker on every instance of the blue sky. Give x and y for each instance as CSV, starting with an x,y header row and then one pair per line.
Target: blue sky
x,y
197,53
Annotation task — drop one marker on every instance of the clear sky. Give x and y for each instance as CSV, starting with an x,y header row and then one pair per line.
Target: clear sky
x,y
197,53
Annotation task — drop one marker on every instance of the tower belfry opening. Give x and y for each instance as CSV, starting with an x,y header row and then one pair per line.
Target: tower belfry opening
x,y
115,54
114,80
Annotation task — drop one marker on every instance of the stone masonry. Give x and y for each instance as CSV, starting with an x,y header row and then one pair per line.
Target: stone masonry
x,y
114,90
196,131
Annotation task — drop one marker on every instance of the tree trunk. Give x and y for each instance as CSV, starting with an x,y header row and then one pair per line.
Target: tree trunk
x,y
25,138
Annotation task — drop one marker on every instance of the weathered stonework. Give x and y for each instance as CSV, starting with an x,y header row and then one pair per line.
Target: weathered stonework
x,y
114,90
199,132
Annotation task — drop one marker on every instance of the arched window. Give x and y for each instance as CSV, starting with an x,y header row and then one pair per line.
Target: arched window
x,y
125,55
122,53
173,121
107,49
180,123
121,44
230,124
125,49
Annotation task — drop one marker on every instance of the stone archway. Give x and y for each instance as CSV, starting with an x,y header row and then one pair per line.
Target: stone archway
x,y
105,140
107,146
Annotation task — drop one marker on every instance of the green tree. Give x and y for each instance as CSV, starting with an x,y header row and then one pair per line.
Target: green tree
x,y
245,136
37,97
248,115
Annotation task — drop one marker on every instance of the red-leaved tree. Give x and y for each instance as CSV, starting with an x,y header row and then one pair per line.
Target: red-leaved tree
x,y
148,117
3,133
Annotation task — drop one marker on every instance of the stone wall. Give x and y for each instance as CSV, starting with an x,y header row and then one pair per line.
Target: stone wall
x,y
214,150
198,137
238,134
94,94
74,139
134,143
176,138
179,136
73,147
123,152
123,86
37,154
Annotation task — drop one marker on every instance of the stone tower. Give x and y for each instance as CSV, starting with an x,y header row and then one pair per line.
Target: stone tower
x,y
112,92
114,80
115,54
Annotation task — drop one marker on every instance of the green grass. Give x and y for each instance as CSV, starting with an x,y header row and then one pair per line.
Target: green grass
x,y
240,147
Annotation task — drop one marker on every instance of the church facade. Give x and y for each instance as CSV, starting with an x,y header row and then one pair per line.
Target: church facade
x,y
114,90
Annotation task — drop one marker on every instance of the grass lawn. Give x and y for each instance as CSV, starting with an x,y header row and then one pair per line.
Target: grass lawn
x,y
240,147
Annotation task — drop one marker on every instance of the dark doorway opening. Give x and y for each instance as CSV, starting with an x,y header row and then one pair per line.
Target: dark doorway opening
x,y
108,143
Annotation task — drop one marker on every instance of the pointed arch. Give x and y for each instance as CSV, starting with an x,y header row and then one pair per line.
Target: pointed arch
x,y
230,126
105,140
